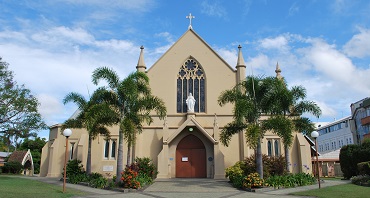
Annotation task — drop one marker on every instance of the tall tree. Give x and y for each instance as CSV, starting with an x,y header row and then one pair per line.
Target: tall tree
x,y
250,104
134,102
286,113
19,116
94,115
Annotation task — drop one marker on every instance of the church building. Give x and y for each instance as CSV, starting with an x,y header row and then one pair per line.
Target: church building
x,y
189,78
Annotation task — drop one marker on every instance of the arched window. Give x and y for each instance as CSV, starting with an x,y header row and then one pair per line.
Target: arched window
x,y
113,151
191,79
276,145
269,148
106,149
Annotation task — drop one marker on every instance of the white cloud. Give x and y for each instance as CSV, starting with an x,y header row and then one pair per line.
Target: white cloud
x,y
230,56
259,62
279,42
50,107
359,45
59,60
213,8
63,34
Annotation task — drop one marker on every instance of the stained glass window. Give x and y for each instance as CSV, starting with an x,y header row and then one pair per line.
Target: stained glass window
x,y
191,79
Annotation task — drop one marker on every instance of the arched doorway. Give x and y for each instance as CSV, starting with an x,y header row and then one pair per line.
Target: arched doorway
x,y
191,158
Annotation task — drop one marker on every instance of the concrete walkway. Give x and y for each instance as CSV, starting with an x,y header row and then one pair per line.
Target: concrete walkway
x,y
207,188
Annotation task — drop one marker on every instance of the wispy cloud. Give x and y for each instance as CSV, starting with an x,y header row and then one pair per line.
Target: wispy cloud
x,y
213,8
294,8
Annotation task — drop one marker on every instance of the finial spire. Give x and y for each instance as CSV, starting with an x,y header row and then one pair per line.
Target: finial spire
x,y
141,64
190,17
278,71
240,61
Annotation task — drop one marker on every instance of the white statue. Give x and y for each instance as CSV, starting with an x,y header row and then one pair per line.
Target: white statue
x,y
190,101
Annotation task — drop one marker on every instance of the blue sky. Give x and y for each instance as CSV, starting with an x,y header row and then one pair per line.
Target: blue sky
x,y
54,45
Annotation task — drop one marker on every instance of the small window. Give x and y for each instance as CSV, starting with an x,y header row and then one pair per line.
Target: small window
x,y
106,149
113,152
71,150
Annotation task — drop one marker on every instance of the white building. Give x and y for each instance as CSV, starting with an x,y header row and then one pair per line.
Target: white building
x,y
334,135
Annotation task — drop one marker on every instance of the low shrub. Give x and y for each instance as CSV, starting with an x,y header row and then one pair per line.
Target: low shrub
x,y
75,172
290,180
12,167
236,172
363,168
360,179
98,182
128,179
271,165
253,180
140,173
146,167
74,167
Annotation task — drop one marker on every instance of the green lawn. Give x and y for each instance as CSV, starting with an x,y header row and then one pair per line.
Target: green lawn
x,y
344,190
20,187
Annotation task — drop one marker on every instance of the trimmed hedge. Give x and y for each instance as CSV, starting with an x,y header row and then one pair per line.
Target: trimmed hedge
x,y
351,155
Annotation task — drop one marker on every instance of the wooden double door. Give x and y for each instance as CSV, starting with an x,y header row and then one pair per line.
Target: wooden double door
x,y
191,158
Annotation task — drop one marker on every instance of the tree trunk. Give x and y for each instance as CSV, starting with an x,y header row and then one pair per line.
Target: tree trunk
x,y
128,154
88,162
119,156
133,153
287,157
259,163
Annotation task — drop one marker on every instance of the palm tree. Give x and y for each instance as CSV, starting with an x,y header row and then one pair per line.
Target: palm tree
x,y
134,102
287,112
94,115
250,103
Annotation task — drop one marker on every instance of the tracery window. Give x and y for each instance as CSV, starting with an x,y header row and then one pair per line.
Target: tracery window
x,y
191,79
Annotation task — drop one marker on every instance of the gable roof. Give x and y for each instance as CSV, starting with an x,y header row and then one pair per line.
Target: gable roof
x,y
191,31
20,156
191,121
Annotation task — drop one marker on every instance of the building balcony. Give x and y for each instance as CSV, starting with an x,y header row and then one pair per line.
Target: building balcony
x,y
365,120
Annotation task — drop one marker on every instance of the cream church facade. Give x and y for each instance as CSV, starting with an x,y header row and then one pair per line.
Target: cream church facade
x,y
186,143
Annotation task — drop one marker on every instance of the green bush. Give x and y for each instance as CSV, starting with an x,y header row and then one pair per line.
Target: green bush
x,y
290,180
138,174
146,167
351,155
363,168
348,163
271,165
236,172
12,167
360,179
75,172
98,182
74,167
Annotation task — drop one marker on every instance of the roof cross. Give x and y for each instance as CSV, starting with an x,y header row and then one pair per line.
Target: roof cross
x,y
190,17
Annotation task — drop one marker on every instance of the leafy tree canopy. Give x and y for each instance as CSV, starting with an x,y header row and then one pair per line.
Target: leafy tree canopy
x,y
19,116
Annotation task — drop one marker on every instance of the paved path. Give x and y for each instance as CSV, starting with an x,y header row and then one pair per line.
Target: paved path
x,y
189,188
